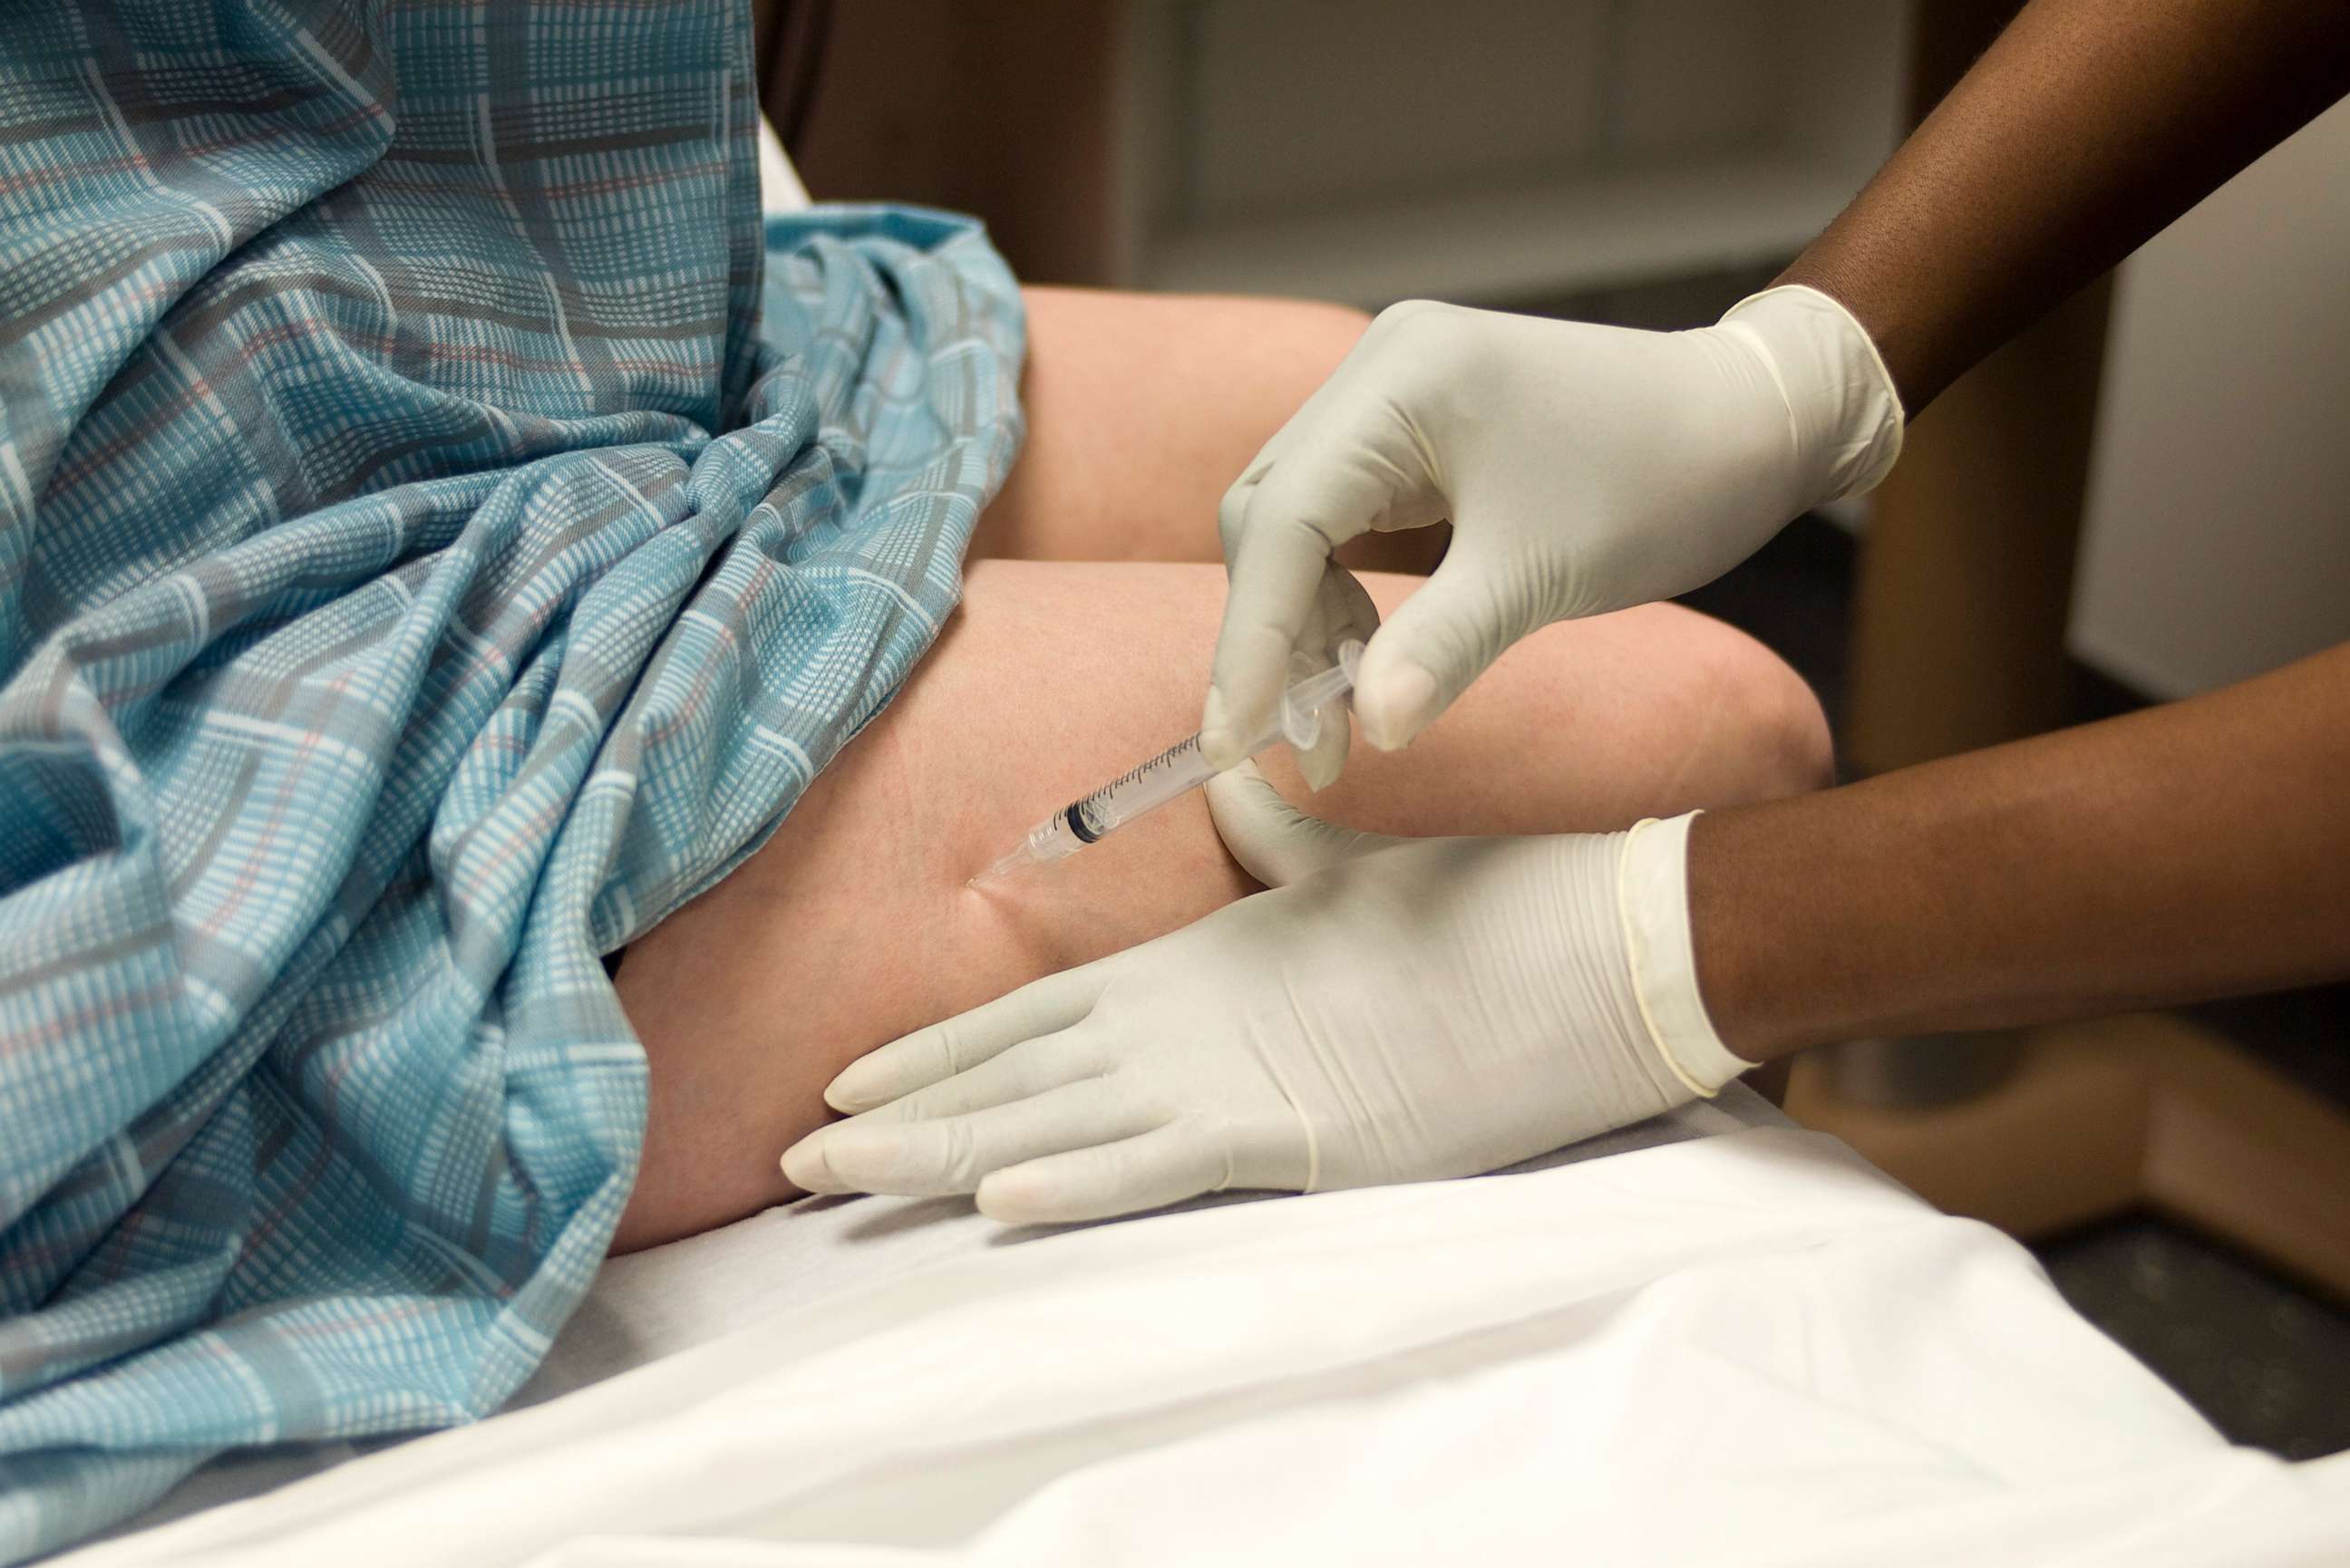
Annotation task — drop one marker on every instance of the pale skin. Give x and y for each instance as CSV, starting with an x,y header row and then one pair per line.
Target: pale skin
x,y
749,1000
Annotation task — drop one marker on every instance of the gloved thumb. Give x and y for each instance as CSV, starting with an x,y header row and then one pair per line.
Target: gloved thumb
x,y
1437,642
1273,841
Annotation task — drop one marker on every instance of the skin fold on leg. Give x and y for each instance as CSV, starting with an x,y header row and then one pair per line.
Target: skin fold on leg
x,y
854,925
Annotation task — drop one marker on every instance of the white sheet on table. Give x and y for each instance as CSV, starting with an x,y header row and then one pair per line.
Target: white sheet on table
x,y
1747,1349
655,1303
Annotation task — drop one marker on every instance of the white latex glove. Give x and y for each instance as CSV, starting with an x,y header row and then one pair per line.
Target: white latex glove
x,y
1583,468
1392,1010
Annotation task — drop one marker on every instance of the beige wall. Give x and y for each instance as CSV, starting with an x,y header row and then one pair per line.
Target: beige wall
x,y
2218,526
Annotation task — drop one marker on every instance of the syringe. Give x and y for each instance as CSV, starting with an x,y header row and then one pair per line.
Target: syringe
x,y
1176,771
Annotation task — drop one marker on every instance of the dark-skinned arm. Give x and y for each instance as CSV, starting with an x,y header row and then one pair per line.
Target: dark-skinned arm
x,y
2078,136
2197,849
2194,850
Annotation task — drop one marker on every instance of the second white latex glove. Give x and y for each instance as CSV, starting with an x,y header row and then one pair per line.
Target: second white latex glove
x,y
1583,469
1391,1010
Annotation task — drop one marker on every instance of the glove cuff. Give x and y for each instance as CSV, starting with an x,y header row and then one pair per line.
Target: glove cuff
x,y
1841,400
1652,898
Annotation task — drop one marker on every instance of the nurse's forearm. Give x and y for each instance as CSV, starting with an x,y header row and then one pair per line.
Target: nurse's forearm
x,y
2082,132
2189,851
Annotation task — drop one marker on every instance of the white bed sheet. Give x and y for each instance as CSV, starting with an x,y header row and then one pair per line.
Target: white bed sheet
x,y
671,1299
1744,1349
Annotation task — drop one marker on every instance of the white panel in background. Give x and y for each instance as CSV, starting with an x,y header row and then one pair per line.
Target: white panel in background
x,y
2217,536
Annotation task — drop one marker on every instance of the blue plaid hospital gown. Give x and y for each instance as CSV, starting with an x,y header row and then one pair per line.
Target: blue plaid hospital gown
x,y
440,534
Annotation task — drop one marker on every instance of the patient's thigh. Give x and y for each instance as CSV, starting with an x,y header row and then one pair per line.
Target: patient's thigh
x,y
1144,408
854,924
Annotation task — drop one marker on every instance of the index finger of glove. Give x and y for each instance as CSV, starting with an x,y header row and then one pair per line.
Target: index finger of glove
x,y
953,1153
1021,1071
1297,515
1343,611
930,1056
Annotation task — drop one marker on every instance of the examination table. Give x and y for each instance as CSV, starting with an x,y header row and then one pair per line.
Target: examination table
x,y
1712,1338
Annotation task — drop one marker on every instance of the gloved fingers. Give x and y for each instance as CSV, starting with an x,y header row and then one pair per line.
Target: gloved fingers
x,y
1275,578
1327,486
1019,1072
1273,841
1343,611
1443,638
1151,1171
1232,508
934,1158
1347,612
1218,743
929,1056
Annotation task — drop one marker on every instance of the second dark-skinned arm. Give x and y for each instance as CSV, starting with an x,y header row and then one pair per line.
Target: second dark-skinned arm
x,y
2194,850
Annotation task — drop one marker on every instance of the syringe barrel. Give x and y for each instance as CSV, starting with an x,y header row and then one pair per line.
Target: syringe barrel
x,y
1171,773
1181,768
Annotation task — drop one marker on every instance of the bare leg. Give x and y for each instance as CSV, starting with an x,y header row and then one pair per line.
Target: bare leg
x,y
852,925
1142,409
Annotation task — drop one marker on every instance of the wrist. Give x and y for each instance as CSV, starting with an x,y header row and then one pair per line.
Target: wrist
x,y
1652,898
1740,971
1843,411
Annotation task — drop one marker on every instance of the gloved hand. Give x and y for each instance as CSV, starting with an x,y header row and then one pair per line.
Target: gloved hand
x,y
1392,1010
1583,468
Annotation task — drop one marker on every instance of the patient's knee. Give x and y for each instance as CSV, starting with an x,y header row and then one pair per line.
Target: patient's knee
x,y
1778,738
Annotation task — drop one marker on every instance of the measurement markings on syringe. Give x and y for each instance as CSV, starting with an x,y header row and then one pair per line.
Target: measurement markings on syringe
x,y
1086,818
1174,773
